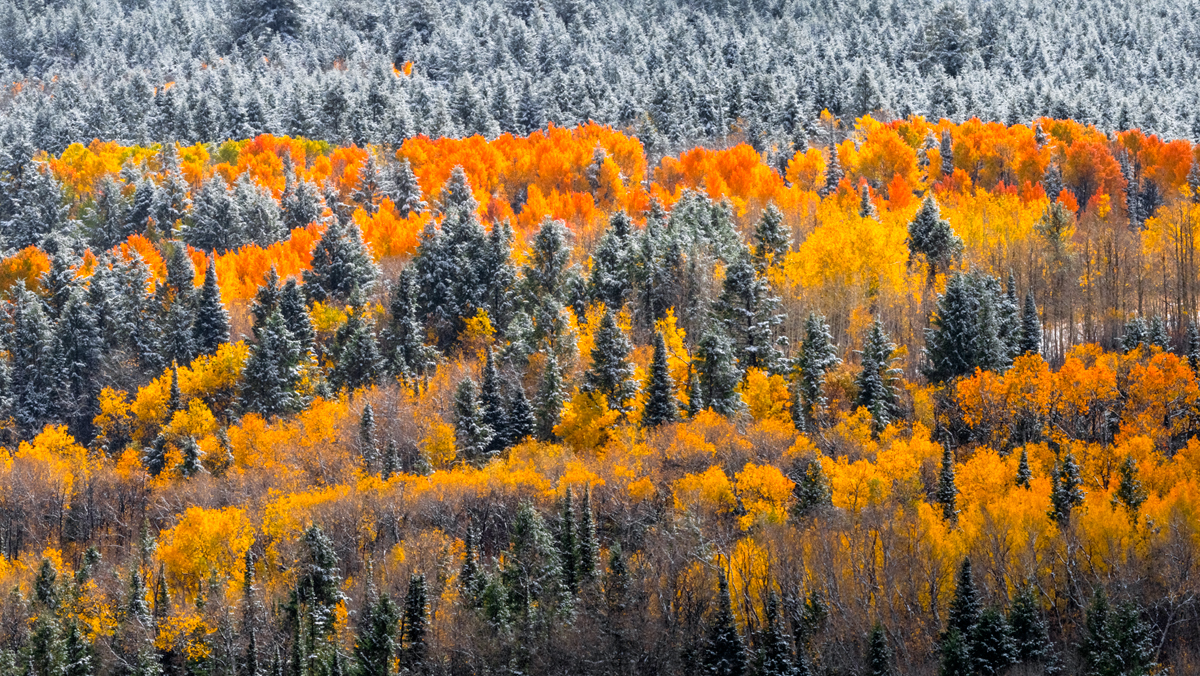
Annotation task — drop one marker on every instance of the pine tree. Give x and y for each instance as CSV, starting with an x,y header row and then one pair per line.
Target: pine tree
x,y
833,173
471,431
491,401
81,347
214,225
1028,629
1031,327
38,209
46,652
724,654
210,327
370,189
748,311
375,644
879,654
406,191
35,373
1118,641
965,608
1157,335
137,608
263,19
774,654
947,491
588,561
319,578
170,202
930,235
771,238
1065,491
965,332
1193,346
266,299
568,544
532,572
992,647
695,394
300,203
359,363
866,208
816,357
545,273
812,490
295,316
456,193
1129,493
272,371
876,381
522,423
661,406
341,264
1136,334
1024,474
367,446
718,374
190,463
611,276
550,399
611,373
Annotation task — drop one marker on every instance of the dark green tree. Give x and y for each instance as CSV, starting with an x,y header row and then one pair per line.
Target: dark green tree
x,y
341,264
550,399
1028,628
1136,334
359,363
1118,641
263,19
817,356
812,490
375,644
272,371
771,238
661,406
877,379
749,312
568,543
368,446
491,401
611,373
1024,474
1130,494
210,327
879,653
724,653
1066,491
718,374
611,277
930,235
415,626
947,491
774,651
1031,327
295,315
471,430
992,647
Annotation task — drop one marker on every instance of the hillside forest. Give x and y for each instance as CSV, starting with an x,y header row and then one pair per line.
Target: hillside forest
x,y
912,397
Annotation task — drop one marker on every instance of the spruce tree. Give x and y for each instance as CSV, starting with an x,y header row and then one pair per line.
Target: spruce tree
x,y
545,273
341,263
33,355
550,399
1065,490
1193,346
1136,334
811,490
190,460
992,647
930,235
1024,474
214,226
359,363
876,381
1129,493
965,608
879,654
295,316
256,213
456,193
866,208
522,422
965,331
724,653
568,543
300,202
272,371
1118,641
695,394
266,299
375,644
771,238
370,189
81,348
611,373
406,191
1031,327
210,326
1028,629
774,654
661,406
611,276
1157,335
263,19
403,340
471,431
817,357
947,491
532,571
491,401
718,374
749,312
588,560
368,449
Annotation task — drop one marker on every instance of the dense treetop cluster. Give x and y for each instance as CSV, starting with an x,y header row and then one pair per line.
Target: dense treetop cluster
x,y
676,73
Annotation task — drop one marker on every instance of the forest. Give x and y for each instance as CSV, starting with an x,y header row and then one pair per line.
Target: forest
x,y
921,398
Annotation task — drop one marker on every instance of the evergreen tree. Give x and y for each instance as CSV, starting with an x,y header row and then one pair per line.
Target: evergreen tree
x,y
416,622
341,264
37,210
771,238
406,191
178,345
214,225
1031,327
1193,346
611,278
661,406
1156,335
877,379
471,431
992,647
588,559
930,235
358,360
492,403
879,654
774,654
833,173
266,299
190,464
1065,491
964,333
1130,493
1136,334
1024,474
370,189
695,394
272,371
724,654
521,421
367,445
1028,629
947,491
545,273
811,490
295,316
262,19
550,399
300,203
210,328
611,373
319,581
1118,642
46,652
748,311
717,374
965,607
35,374
817,356
375,644
866,208
81,347
257,215
568,544
532,572
170,202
